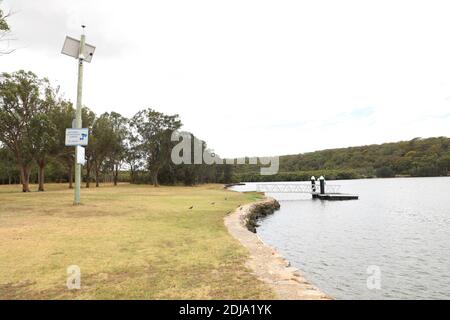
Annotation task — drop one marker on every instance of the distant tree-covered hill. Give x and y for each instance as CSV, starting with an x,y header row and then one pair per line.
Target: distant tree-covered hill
x,y
417,157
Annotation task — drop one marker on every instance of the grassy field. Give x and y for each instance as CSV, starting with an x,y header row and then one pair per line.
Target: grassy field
x,y
131,242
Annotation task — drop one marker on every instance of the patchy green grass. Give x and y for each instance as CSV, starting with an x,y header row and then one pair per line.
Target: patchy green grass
x,y
131,242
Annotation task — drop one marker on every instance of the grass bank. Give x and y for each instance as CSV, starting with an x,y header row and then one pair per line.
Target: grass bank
x,y
131,242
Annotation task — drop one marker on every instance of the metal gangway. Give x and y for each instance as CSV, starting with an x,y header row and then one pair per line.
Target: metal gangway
x,y
295,188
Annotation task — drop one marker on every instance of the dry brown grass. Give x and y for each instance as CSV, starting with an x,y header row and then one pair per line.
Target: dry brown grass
x,y
131,242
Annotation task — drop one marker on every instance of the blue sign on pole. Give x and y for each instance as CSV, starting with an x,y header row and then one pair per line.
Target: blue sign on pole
x,y
77,137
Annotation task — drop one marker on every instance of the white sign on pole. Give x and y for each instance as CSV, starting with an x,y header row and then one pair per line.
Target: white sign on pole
x,y
72,48
81,155
77,137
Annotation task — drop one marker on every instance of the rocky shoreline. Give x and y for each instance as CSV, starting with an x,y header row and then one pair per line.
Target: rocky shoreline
x,y
259,210
264,261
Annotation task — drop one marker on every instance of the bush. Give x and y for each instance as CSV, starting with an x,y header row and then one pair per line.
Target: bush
x,y
385,172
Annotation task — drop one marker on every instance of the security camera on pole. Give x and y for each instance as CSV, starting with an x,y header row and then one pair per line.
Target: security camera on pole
x,y
77,136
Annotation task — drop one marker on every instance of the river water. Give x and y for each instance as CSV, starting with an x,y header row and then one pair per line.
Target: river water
x,y
392,243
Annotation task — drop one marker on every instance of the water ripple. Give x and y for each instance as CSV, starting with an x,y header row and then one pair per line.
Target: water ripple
x,y
400,225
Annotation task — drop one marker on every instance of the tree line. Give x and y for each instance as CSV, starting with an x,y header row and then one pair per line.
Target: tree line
x,y
34,117
33,121
417,158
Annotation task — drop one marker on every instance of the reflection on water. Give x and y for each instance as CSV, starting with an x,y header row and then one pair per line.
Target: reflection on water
x,y
400,225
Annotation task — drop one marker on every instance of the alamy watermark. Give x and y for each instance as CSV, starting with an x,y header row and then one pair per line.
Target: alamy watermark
x,y
73,277
191,151
374,279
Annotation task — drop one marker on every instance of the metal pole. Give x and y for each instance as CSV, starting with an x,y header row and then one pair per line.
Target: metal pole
x,y
78,121
322,185
313,184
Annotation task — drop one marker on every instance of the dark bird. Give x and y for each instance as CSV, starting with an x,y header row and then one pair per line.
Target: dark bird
x,y
226,199
213,203
191,207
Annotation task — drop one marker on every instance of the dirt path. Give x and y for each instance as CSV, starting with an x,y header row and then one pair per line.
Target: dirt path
x,y
267,264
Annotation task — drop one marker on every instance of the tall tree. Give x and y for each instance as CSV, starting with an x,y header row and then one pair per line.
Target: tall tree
x,y
117,152
43,132
20,101
62,116
88,118
100,144
154,130
133,153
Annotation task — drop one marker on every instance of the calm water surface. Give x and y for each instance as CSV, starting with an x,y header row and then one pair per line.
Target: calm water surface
x,y
401,226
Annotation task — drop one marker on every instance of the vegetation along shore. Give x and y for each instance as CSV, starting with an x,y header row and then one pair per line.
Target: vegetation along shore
x,y
415,158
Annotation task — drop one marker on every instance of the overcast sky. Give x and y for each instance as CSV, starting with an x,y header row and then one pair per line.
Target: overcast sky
x,y
253,77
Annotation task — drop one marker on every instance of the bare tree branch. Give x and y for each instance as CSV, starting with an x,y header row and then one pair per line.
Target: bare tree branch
x,y
5,33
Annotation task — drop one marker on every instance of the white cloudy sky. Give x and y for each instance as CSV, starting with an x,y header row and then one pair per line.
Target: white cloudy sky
x,y
253,77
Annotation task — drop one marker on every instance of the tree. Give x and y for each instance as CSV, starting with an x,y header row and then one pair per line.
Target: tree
x,y
153,131
20,102
61,117
3,24
8,169
100,143
4,31
117,152
187,168
43,133
88,118
227,173
133,153
444,163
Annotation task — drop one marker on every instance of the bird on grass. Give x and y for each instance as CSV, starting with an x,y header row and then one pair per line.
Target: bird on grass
x,y
191,207
213,203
